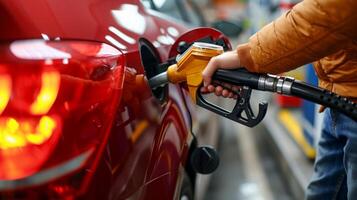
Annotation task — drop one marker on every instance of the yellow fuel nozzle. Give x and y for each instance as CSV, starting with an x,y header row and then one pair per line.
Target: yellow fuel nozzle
x,y
190,65
189,69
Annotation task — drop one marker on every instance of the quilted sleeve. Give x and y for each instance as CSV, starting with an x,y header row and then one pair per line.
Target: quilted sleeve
x,y
311,30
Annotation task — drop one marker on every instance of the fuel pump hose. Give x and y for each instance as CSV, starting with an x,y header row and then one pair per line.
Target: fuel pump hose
x,y
288,86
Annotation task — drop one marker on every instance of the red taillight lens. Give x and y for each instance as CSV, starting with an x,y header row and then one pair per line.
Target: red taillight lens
x,y
57,103
25,144
5,91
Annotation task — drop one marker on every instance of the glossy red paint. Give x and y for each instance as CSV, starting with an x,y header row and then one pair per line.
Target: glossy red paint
x,y
59,96
126,143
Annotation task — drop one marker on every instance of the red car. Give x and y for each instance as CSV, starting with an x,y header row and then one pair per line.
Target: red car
x,y
77,117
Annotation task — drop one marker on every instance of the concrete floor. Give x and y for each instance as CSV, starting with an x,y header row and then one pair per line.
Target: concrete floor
x,y
248,169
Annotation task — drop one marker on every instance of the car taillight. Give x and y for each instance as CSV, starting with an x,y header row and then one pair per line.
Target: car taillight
x,y
57,104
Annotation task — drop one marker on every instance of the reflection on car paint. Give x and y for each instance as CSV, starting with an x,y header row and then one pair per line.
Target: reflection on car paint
x,y
36,50
115,42
129,17
173,31
122,35
45,37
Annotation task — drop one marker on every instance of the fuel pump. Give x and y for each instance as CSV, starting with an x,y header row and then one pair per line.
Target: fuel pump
x,y
190,64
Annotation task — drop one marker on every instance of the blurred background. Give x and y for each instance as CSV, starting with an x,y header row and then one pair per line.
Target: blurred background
x,y
274,160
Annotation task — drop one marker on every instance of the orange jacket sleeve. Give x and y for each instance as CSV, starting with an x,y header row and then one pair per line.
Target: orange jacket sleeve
x,y
311,30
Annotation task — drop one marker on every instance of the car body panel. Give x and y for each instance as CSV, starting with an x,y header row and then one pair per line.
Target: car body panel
x,y
120,23
149,140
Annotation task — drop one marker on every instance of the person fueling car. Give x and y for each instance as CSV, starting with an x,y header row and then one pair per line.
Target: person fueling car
x,y
323,31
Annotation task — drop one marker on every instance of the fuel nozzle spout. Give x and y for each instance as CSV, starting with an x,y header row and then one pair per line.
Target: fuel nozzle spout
x,y
159,80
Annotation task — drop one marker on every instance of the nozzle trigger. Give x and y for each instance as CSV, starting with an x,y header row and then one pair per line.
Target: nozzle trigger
x,y
242,111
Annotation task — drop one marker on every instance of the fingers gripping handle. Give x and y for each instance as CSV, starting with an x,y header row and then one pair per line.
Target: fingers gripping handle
x,y
242,111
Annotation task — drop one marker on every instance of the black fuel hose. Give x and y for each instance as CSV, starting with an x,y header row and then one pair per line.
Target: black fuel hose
x,y
287,86
325,98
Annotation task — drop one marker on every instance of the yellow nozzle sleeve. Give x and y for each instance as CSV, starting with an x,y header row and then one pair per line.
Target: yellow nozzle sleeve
x,y
174,75
190,66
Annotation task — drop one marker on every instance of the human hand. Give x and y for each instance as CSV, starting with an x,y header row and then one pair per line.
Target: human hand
x,y
222,89
227,60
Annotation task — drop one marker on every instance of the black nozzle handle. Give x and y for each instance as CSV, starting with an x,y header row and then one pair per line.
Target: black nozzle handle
x,y
242,111
238,77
